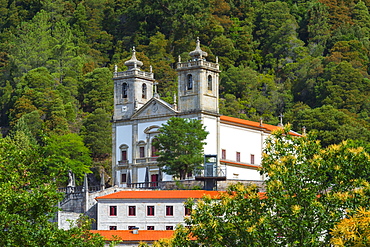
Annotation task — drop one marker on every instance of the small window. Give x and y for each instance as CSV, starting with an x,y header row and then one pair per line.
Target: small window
x,y
150,227
238,156
123,178
252,159
169,228
131,227
187,211
113,210
131,210
142,152
124,90
112,228
169,210
143,91
150,210
190,82
223,154
123,155
209,83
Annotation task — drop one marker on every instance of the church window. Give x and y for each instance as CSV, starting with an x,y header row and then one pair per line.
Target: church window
x,y
210,83
190,82
124,157
252,159
238,156
124,90
223,154
123,178
142,152
144,91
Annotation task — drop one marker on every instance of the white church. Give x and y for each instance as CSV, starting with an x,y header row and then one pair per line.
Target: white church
x,y
234,146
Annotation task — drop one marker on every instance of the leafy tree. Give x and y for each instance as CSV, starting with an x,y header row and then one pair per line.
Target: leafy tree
x,y
308,191
353,230
64,153
28,197
180,146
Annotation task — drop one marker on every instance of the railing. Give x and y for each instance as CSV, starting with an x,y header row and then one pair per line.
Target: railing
x,y
197,63
145,185
122,162
78,189
133,72
211,172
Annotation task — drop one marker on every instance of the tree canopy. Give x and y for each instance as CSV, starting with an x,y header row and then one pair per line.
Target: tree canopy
x,y
180,146
308,192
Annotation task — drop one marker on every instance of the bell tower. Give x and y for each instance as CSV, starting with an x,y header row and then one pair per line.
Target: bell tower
x,y
198,82
132,88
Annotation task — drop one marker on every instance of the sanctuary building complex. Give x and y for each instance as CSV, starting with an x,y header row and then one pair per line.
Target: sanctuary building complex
x,y
233,146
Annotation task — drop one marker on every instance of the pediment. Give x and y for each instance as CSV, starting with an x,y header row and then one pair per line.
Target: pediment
x,y
154,108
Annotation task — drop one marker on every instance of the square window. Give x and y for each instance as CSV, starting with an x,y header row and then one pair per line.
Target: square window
x,y
131,210
150,210
113,210
223,154
252,159
150,227
238,156
169,228
187,211
113,228
169,210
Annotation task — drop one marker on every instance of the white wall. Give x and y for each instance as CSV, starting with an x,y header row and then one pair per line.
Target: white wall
x,y
141,220
124,136
246,141
211,127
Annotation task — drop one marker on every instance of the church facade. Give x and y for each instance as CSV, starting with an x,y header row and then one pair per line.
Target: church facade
x,y
234,146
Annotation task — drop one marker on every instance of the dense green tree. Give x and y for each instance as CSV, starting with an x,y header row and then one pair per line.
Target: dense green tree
x,y
97,133
28,197
97,90
309,190
180,146
331,125
66,153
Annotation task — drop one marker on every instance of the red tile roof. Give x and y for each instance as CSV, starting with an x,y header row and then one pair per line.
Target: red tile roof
x,y
159,194
127,235
266,127
240,164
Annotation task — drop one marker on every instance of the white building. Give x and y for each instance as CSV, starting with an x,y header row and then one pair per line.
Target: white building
x,y
139,112
145,210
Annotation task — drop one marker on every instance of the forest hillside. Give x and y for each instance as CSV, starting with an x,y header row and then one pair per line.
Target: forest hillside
x,y
306,60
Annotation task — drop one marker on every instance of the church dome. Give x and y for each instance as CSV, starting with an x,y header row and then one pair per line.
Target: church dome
x,y
133,61
198,53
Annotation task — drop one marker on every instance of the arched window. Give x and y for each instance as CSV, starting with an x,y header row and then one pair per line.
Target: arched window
x,y
124,90
210,83
190,82
143,89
